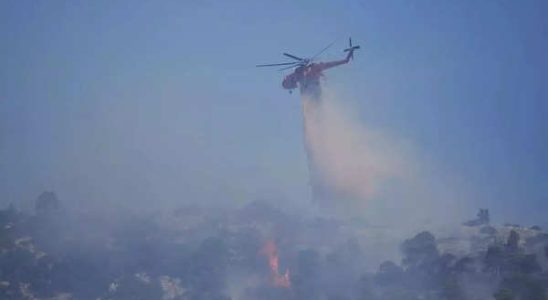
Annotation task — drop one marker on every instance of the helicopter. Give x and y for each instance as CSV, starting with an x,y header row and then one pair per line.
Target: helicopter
x,y
307,73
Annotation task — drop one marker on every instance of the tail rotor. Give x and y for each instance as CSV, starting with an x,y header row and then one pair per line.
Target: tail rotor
x,y
351,49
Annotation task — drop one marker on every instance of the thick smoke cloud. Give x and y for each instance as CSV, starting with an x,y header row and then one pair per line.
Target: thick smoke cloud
x,y
358,170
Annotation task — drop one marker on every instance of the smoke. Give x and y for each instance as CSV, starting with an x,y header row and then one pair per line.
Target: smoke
x,y
346,159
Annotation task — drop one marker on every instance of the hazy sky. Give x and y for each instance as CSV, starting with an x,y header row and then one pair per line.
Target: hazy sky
x,y
159,102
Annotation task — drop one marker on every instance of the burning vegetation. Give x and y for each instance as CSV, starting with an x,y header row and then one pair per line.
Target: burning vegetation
x,y
280,280
56,254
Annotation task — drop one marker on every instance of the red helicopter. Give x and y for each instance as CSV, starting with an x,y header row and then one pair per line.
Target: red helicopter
x,y
307,73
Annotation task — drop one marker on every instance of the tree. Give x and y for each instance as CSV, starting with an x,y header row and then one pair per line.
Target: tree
x,y
419,250
512,243
46,202
494,259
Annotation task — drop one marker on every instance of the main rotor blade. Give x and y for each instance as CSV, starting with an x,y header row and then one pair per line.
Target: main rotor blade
x,y
293,56
322,51
280,64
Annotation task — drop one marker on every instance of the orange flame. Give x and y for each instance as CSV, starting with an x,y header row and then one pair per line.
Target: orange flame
x,y
270,251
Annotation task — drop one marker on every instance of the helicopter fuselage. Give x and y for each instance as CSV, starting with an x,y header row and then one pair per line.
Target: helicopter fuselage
x,y
306,77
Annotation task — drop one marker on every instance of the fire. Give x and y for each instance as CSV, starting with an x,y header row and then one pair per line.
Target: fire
x,y
270,251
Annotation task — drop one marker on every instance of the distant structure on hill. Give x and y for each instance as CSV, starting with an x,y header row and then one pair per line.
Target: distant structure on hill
x,y
483,219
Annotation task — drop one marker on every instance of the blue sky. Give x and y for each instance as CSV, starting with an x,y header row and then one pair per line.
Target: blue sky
x,y
145,100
